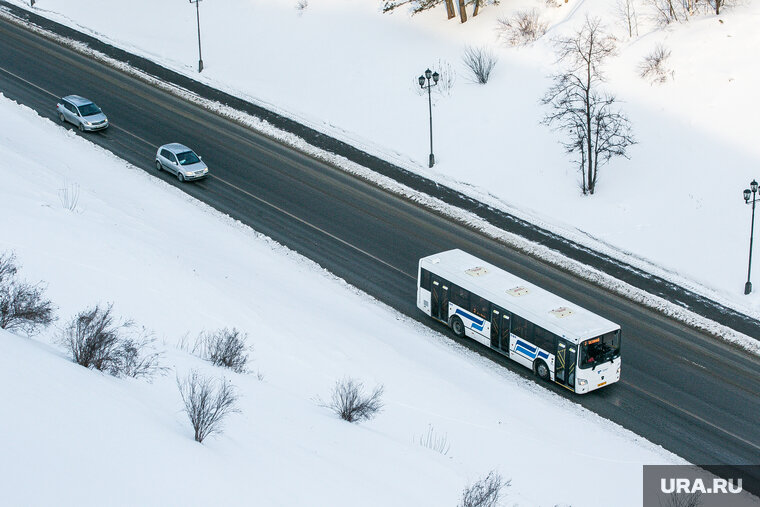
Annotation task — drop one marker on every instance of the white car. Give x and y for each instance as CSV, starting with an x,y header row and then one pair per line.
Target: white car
x,y
182,161
81,112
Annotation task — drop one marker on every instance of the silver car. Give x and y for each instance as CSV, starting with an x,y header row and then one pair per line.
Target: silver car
x,y
182,161
81,112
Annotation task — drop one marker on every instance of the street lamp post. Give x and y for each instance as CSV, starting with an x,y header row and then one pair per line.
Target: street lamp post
x,y
753,194
198,18
428,74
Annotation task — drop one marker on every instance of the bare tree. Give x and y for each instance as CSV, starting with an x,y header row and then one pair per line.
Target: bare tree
x,y
595,130
417,6
664,11
480,61
23,306
719,4
224,347
207,403
351,404
668,11
626,10
485,492
96,339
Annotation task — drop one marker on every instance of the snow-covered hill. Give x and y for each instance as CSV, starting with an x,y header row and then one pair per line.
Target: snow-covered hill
x,y
73,436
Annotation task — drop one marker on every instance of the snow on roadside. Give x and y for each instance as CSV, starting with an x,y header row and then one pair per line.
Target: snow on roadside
x,y
178,267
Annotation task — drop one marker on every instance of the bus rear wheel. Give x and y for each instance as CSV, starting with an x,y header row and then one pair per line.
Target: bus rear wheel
x,y
457,326
542,370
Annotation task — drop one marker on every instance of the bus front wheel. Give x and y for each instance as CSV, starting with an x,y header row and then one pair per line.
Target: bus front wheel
x,y
457,326
542,370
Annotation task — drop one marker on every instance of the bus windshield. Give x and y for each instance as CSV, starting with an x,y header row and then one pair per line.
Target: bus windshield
x,y
599,350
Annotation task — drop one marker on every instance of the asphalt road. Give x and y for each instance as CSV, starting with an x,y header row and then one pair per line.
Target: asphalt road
x,y
680,388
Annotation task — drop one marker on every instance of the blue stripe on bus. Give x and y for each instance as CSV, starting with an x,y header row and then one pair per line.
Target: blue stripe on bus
x,y
528,346
477,321
525,352
544,355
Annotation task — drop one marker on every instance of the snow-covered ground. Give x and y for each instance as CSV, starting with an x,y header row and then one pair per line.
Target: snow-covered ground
x,y
342,66
72,436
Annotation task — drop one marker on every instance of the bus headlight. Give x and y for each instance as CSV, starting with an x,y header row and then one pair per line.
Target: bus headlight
x,y
582,381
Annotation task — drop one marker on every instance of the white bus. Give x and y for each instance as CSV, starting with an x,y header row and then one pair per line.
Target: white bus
x,y
558,340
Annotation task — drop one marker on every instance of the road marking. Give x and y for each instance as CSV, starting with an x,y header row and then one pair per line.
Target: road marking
x,y
364,252
695,416
56,97
344,242
29,82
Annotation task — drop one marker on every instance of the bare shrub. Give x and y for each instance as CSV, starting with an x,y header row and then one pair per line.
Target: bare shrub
x,y
480,61
224,347
447,79
69,196
485,492
137,358
23,306
96,339
522,28
8,267
654,67
684,500
207,402
301,5
351,404
437,443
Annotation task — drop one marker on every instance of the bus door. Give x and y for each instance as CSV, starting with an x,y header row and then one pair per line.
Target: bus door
x,y
500,329
439,298
564,364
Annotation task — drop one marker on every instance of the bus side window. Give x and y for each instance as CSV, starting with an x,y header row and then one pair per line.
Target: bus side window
x,y
425,279
460,297
480,306
543,339
519,326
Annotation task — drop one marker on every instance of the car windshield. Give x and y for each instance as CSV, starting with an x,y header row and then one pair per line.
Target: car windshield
x,y
187,158
89,109
600,349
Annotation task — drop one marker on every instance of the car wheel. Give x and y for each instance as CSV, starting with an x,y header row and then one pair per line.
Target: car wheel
x,y
61,117
180,176
542,370
81,127
158,166
457,326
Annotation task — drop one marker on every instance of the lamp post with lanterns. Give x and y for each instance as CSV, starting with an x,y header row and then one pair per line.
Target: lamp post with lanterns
x,y
750,197
198,18
426,77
